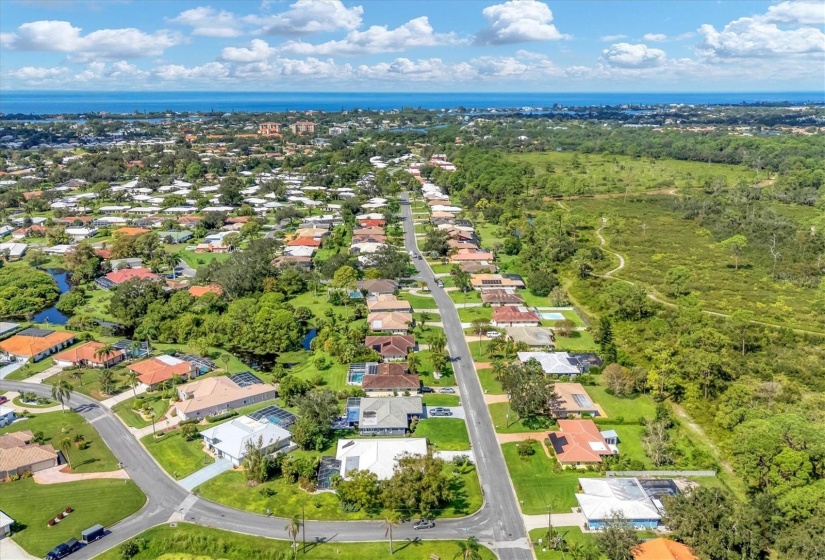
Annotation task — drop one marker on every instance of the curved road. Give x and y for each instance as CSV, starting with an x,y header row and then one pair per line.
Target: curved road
x,y
498,524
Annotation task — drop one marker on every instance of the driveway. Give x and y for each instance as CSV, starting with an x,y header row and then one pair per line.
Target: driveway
x,y
11,550
458,412
9,369
43,375
207,473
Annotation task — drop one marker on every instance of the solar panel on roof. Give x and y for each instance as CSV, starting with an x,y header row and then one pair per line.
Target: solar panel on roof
x,y
38,333
275,415
245,379
582,401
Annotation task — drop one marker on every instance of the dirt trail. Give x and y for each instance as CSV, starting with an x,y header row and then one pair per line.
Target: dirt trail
x,y
697,429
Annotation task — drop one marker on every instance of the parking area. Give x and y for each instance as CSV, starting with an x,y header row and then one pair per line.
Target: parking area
x,y
457,412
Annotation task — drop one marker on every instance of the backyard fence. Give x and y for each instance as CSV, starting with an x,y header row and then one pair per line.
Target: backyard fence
x,y
611,474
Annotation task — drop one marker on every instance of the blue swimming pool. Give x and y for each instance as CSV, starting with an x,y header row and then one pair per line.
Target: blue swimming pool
x,y
355,378
552,316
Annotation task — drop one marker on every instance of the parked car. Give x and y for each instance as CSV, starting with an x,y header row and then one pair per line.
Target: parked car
x,y
92,534
427,390
62,550
493,334
439,283
439,411
423,524
448,390
3,399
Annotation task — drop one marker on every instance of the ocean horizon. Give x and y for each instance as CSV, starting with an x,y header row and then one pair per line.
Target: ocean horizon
x,y
122,102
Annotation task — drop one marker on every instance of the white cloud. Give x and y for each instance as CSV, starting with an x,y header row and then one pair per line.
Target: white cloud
x,y
61,36
258,50
684,36
655,37
625,55
422,70
804,13
178,72
377,39
309,16
612,38
209,22
518,21
38,74
750,37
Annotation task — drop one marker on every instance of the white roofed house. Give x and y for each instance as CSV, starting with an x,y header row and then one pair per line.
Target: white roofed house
x,y
229,440
601,497
379,456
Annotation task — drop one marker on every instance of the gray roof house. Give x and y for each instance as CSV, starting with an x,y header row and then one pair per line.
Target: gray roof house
x,y
387,415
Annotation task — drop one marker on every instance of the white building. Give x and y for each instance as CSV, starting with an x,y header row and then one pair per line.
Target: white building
x,y
6,416
379,456
229,440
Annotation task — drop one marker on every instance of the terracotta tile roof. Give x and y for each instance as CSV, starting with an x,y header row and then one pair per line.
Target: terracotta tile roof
x,y
389,303
472,255
198,291
389,321
126,274
663,549
155,370
392,345
389,377
130,231
372,223
579,441
104,254
304,242
214,391
87,352
500,296
508,314
22,345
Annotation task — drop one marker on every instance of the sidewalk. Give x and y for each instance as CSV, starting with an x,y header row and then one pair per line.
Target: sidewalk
x,y
125,395
55,475
197,478
40,377
159,427
492,399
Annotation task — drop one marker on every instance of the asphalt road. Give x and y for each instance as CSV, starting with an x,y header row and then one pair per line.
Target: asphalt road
x,y
498,524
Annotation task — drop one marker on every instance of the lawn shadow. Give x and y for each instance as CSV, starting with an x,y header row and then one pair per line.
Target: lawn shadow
x,y
460,502
408,542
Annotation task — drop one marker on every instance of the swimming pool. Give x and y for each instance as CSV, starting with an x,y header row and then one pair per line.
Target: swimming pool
x,y
553,316
355,378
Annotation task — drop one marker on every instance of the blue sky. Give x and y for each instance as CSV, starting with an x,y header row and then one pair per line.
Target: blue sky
x,y
413,45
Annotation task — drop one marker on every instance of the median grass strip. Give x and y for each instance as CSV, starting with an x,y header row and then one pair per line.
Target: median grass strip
x,y
537,485
191,542
89,454
446,434
177,456
94,501
127,413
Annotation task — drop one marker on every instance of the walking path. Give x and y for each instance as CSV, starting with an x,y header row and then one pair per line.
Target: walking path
x,y
124,396
46,373
697,429
159,427
538,436
492,399
9,369
55,475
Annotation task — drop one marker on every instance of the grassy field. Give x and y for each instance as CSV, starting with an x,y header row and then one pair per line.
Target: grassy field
x,y
418,302
498,412
572,535
446,434
230,488
177,456
93,501
195,260
578,174
191,542
435,399
672,241
489,383
127,414
472,296
57,426
470,314
578,341
97,305
629,408
89,382
537,486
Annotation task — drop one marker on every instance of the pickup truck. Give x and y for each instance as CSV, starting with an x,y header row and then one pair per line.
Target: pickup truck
x,y
63,550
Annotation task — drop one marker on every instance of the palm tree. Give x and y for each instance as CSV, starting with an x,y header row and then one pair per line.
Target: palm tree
x,y
439,362
132,379
499,370
77,373
391,519
438,343
292,529
469,549
65,447
225,359
480,326
424,316
62,392
103,353
413,361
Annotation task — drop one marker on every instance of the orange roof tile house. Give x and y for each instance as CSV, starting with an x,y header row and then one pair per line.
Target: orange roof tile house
x,y
126,274
198,291
88,354
19,455
663,549
154,371
579,443
35,344
215,395
130,231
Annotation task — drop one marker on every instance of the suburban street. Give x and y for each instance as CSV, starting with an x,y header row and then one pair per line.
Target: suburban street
x,y
498,524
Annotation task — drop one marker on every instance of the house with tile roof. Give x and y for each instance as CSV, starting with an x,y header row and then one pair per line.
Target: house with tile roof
x,y
389,379
663,549
388,303
515,316
118,277
89,355
579,443
198,291
601,497
216,395
391,348
391,322
19,455
34,347
156,370
500,297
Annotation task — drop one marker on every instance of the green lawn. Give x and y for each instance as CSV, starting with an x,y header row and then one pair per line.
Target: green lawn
x,y
418,302
446,434
93,501
335,374
56,426
192,542
176,455
629,408
537,486
489,383
630,442
318,304
230,488
89,384
48,404
578,341
572,535
472,296
124,409
435,399
470,314
498,412
97,305
195,260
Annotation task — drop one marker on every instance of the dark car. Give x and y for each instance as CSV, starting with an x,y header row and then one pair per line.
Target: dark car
x,y
427,390
423,524
63,550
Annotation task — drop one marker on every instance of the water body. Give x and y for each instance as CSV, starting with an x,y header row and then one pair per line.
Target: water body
x,y
76,102
52,315
308,339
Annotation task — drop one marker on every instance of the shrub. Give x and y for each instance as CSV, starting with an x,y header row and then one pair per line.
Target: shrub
x,y
219,417
68,509
187,422
525,448
139,404
129,550
267,492
51,522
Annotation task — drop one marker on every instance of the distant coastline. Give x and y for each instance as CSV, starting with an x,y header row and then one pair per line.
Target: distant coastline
x,y
78,102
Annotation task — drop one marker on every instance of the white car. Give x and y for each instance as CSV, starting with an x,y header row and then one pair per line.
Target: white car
x,y
493,334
